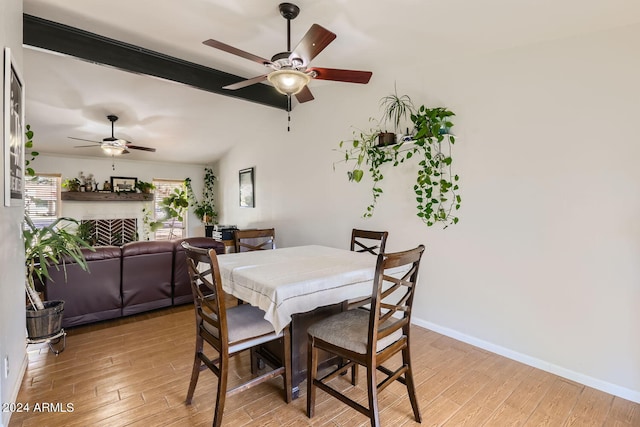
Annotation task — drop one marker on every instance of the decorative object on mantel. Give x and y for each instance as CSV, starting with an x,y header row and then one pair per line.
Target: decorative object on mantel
x,y
145,187
436,187
123,184
87,183
205,209
71,184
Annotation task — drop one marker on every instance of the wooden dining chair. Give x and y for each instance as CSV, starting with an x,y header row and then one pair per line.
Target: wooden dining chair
x,y
370,337
228,331
255,240
373,242
368,241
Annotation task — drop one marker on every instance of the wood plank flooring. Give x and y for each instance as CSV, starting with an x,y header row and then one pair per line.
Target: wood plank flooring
x,y
135,372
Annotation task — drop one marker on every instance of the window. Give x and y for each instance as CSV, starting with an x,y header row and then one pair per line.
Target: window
x,y
172,228
42,198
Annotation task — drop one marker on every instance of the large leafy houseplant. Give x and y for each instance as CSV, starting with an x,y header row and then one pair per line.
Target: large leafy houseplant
x,y
51,246
205,209
175,207
436,186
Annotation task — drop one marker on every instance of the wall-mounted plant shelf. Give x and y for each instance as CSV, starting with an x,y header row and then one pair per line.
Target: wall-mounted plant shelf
x,y
97,196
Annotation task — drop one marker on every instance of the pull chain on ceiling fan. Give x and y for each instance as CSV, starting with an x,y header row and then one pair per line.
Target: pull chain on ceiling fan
x,y
291,72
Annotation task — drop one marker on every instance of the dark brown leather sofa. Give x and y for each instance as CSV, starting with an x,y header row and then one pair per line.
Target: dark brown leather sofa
x,y
137,277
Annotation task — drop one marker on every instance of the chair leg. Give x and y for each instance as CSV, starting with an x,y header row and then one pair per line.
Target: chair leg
x,y
195,372
372,391
354,374
286,377
254,361
312,373
222,390
411,389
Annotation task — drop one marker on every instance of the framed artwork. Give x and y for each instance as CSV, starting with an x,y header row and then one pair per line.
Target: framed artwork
x,y
13,138
247,194
123,183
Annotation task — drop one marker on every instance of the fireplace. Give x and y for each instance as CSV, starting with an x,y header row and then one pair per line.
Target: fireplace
x,y
105,232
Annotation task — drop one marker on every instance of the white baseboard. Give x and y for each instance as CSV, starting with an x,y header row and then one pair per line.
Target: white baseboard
x,y
18,384
616,390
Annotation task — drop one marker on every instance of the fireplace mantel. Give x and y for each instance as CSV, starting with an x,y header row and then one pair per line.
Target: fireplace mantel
x,y
98,196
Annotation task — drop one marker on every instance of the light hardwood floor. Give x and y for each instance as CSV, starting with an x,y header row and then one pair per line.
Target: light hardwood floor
x,y
135,372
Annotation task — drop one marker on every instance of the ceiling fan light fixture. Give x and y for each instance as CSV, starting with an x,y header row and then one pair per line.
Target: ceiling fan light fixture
x,y
112,148
288,82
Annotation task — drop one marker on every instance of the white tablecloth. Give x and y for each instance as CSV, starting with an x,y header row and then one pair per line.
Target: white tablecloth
x,y
286,281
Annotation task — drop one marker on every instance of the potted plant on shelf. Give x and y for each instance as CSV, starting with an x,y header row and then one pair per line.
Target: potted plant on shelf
x,y
205,209
145,187
397,110
51,246
436,186
71,184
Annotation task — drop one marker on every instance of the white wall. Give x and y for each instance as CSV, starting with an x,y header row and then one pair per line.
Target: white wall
x,y
102,170
12,315
543,266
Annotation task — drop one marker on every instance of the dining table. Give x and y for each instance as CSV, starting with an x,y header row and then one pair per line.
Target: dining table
x,y
298,286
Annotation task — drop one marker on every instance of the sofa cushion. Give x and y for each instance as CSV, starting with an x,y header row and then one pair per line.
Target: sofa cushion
x,y
91,295
147,269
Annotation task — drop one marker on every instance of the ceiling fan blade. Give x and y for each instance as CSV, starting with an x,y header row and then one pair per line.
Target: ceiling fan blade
x,y
84,146
304,95
235,51
349,76
316,39
82,139
245,83
138,147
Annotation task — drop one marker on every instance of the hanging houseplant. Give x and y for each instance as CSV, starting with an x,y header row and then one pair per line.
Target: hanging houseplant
x,y
205,209
436,187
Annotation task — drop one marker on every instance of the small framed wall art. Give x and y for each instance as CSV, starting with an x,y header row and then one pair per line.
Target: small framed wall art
x,y
247,193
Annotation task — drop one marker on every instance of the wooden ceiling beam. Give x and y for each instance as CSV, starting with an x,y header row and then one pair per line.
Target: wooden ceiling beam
x,y
56,37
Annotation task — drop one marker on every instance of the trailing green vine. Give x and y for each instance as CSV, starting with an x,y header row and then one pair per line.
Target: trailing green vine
x,y
436,187
205,209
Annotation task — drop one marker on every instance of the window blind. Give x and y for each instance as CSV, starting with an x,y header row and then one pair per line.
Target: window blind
x,y
42,198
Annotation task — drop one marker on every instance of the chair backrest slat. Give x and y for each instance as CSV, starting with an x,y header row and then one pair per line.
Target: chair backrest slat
x,y
392,296
373,242
208,296
255,240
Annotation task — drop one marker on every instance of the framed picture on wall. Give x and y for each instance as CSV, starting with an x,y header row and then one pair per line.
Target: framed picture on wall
x,y
123,183
247,195
14,128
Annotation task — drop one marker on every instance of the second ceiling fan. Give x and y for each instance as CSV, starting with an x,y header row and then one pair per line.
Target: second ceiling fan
x,y
111,145
291,71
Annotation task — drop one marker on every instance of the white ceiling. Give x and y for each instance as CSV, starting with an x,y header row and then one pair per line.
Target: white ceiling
x,y
69,97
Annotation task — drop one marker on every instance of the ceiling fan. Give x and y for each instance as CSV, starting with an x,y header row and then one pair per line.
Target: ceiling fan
x,y
111,145
291,71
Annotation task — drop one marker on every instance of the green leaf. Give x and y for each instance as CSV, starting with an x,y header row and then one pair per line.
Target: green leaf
x,y
357,174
